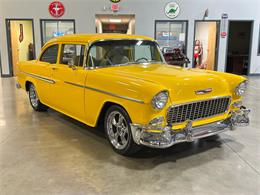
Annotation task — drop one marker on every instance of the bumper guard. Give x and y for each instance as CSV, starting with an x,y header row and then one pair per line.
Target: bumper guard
x,y
164,137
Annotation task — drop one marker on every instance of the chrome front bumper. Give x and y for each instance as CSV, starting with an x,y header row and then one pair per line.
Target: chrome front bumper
x,y
164,137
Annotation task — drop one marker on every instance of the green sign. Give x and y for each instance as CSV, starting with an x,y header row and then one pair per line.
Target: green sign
x,y
115,1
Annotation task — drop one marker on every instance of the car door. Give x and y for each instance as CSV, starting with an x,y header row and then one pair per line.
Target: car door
x,y
43,73
70,75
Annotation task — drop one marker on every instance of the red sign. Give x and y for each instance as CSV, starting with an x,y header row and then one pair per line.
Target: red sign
x,y
223,34
114,7
56,9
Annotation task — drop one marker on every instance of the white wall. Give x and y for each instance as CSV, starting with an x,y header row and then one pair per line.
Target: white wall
x,y
146,12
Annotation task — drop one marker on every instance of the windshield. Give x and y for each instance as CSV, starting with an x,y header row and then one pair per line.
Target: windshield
x,y
117,52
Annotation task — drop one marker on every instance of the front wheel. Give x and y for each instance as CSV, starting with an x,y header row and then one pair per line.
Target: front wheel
x,y
34,99
118,131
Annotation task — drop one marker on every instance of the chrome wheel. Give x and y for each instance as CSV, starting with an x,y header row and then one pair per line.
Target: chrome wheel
x,y
33,96
117,130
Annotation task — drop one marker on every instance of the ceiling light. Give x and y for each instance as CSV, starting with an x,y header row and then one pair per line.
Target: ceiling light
x,y
115,20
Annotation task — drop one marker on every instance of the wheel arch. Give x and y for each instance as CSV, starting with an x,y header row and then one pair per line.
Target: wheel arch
x,y
27,84
104,109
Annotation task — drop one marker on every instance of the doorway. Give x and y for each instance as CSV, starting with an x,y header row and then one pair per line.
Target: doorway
x,y
206,45
109,23
20,40
239,47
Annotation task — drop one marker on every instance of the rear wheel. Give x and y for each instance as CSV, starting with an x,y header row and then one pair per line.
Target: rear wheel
x,y
118,131
34,99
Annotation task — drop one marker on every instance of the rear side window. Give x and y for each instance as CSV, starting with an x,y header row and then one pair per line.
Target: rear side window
x,y
50,54
72,54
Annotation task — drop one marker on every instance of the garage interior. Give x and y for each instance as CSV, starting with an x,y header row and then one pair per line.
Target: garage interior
x,y
50,153
111,23
239,44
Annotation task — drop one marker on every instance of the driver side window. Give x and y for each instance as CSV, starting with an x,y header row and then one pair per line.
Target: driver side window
x,y
50,54
72,54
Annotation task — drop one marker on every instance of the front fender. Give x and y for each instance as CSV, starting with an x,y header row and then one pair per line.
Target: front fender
x,y
232,80
134,95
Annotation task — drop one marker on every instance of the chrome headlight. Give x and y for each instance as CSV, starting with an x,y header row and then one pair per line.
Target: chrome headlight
x,y
160,100
241,88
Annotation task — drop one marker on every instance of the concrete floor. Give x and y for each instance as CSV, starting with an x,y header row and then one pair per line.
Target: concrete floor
x,y
49,153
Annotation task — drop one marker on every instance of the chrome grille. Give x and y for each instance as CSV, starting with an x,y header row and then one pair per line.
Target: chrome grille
x,y
197,110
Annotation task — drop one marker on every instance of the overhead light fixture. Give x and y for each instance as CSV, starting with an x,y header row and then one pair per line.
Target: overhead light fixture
x,y
115,20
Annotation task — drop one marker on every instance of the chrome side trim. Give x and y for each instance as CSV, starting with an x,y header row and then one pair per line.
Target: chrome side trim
x,y
74,84
115,95
105,92
39,77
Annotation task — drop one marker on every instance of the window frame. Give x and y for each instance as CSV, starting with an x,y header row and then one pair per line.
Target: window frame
x,y
45,49
174,21
54,20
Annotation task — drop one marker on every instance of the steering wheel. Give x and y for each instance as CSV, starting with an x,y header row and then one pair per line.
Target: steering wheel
x,y
107,59
143,58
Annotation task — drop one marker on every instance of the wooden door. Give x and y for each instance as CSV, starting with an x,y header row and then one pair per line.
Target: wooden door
x,y
14,45
211,45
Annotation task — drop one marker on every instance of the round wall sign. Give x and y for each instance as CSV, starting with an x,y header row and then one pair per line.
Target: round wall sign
x,y
172,10
56,9
115,1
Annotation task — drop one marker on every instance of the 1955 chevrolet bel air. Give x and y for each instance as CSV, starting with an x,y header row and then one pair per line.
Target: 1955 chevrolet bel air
x,y
123,82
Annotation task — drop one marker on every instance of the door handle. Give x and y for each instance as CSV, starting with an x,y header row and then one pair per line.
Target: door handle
x,y
54,68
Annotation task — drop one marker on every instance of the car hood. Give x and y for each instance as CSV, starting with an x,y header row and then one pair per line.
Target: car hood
x,y
182,83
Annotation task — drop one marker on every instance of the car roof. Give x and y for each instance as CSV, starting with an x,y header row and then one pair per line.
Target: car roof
x,y
88,38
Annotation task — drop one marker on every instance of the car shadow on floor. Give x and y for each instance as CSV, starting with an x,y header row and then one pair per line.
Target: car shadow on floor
x,y
94,143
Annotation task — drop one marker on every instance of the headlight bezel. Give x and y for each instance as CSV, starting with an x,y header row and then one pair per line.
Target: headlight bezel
x,y
240,90
160,100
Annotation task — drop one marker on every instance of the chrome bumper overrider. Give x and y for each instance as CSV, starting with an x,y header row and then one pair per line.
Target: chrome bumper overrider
x,y
164,137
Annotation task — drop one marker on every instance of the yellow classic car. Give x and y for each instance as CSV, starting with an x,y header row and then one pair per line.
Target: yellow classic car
x,y
123,83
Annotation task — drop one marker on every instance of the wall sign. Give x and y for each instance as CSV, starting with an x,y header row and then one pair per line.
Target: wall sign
x,y
56,9
172,10
115,1
115,7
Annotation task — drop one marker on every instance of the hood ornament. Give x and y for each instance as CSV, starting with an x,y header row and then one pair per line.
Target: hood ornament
x,y
203,91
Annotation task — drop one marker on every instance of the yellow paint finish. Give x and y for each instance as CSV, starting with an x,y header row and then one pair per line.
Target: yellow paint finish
x,y
123,84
